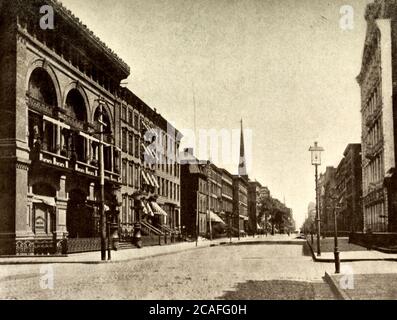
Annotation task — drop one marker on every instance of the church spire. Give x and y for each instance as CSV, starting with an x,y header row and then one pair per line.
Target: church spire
x,y
242,167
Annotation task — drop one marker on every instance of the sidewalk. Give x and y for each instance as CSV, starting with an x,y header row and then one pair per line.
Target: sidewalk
x,y
350,254
143,253
364,286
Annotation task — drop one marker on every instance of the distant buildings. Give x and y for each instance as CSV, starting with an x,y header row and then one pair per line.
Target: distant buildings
x,y
255,191
349,190
326,188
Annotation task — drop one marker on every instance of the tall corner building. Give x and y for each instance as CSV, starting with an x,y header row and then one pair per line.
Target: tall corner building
x,y
59,90
378,81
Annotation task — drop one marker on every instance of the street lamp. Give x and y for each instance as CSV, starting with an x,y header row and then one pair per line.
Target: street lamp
x,y
316,161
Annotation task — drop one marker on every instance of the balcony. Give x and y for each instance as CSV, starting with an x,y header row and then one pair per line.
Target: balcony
x,y
54,159
41,107
112,176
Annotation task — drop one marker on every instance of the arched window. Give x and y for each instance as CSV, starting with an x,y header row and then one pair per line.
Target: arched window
x,y
41,87
75,106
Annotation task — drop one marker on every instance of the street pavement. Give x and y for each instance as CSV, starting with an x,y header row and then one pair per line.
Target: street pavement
x,y
245,271
272,268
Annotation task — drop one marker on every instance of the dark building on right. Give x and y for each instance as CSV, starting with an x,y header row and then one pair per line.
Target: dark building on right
x,y
348,179
378,84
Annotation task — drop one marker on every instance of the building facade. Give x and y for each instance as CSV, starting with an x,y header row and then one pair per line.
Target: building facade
x,y
349,190
63,104
379,114
194,195
56,97
240,204
326,186
255,191
150,169
227,198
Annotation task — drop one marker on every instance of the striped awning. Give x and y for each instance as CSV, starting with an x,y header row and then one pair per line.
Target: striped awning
x,y
244,217
145,178
158,210
49,201
215,218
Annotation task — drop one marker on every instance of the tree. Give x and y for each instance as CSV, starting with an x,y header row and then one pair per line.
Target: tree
x,y
275,213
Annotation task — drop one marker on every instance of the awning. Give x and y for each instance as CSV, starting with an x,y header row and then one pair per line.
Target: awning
x,y
259,227
158,210
145,178
156,184
49,201
244,217
149,209
145,211
215,218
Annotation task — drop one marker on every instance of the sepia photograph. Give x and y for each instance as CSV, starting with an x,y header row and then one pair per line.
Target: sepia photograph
x,y
227,151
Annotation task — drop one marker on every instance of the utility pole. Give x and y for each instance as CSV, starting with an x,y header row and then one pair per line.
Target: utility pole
x,y
102,188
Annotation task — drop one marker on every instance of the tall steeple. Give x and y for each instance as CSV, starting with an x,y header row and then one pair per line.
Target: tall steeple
x,y
242,167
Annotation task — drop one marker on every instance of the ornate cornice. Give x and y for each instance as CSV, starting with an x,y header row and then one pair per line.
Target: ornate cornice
x,y
68,14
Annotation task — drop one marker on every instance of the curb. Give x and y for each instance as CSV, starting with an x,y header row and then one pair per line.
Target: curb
x,y
340,294
204,245
100,261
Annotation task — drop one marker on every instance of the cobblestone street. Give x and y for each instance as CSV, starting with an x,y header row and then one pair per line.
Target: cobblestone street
x,y
255,271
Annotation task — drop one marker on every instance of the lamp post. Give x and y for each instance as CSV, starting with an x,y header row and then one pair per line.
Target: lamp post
x,y
316,161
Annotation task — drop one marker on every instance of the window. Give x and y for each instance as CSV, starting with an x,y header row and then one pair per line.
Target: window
x,y
130,144
136,121
124,113
124,140
137,147
131,174
124,209
136,177
124,172
130,120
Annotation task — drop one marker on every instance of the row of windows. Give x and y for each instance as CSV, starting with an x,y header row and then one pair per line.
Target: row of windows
x,y
130,173
373,173
168,165
130,116
375,134
130,143
375,217
373,101
168,189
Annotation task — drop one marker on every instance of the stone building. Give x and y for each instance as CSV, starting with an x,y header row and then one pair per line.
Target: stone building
x,y
326,189
379,117
61,100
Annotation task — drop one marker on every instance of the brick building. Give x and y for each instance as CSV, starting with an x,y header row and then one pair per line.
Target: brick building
x,y
150,169
326,188
349,190
194,194
254,194
227,197
240,204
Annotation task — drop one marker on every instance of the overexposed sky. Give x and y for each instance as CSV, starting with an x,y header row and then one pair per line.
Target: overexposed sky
x,y
285,66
